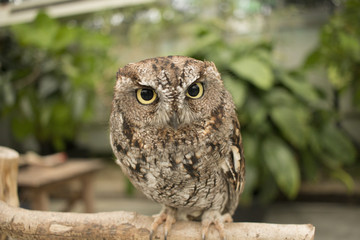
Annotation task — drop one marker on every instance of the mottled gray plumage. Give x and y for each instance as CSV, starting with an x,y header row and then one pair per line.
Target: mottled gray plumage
x,y
182,152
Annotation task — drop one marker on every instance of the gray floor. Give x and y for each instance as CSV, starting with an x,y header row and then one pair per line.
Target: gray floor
x,y
332,221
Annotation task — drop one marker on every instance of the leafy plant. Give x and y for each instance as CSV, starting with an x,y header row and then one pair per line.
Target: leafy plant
x,y
288,135
49,74
339,50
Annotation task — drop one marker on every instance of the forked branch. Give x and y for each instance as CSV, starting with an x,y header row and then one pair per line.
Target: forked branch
x,y
29,224
20,223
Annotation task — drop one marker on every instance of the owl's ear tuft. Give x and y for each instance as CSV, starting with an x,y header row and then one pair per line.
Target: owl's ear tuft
x,y
122,81
126,76
118,74
127,72
211,70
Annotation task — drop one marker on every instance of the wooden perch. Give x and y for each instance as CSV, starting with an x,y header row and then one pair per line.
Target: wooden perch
x,y
29,224
8,176
9,160
20,223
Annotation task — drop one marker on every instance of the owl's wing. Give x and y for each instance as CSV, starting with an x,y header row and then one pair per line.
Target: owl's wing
x,y
237,157
234,166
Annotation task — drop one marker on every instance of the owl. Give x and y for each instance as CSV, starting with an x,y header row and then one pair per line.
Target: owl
x,y
175,134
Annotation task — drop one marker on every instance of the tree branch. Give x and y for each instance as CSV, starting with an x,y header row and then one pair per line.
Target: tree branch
x,y
8,175
29,224
20,223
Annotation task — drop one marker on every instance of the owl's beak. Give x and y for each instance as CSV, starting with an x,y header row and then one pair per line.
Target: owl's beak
x,y
174,121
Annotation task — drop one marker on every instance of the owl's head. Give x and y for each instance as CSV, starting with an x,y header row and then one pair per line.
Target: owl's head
x,y
171,91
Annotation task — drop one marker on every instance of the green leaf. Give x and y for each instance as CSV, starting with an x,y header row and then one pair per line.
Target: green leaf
x,y
41,32
64,37
93,40
345,178
280,96
313,59
7,90
350,44
251,144
337,148
256,112
237,89
293,124
68,66
255,71
45,115
339,79
21,127
283,166
79,99
60,114
263,54
300,87
47,86
26,107
268,189
309,165
252,177
314,141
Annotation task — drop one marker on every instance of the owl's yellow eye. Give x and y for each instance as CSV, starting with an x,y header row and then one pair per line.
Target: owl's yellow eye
x,y
195,91
146,95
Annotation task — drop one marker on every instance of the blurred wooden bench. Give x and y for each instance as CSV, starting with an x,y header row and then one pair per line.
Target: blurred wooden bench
x,y
37,183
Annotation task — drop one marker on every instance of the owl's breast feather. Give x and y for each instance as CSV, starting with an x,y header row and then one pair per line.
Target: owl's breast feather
x,y
176,172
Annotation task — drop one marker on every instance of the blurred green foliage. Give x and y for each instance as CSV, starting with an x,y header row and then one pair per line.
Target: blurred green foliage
x,y
288,136
339,50
49,74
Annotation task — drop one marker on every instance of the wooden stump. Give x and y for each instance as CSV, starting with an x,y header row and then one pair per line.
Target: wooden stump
x,y
8,178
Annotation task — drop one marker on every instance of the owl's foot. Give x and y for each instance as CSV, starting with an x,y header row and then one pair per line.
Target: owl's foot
x,y
214,217
166,215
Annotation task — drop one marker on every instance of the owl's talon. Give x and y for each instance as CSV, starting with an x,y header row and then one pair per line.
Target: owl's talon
x,y
170,220
205,228
227,218
167,215
214,217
